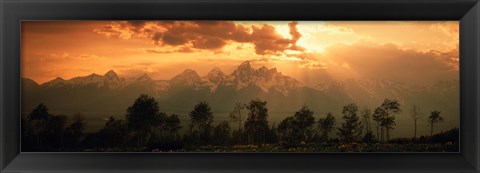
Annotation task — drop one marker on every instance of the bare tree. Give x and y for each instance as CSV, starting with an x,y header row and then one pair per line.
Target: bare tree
x,y
236,114
416,114
366,113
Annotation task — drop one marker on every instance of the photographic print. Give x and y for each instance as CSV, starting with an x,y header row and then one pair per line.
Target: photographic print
x,y
240,86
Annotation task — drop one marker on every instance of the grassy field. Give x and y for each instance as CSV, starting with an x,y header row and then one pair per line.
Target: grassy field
x,y
314,147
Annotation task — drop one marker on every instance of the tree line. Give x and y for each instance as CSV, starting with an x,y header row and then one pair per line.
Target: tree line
x,y
146,127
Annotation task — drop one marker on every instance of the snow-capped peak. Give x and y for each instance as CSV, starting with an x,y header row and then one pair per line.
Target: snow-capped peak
x,y
245,65
93,75
215,75
215,71
109,80
110,74
188,77
264,78
143,78
59,79
57,82
187,74
93,78
214,78
244,69
243,76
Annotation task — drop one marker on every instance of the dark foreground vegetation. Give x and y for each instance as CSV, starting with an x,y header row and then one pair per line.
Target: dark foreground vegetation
x,y
146,129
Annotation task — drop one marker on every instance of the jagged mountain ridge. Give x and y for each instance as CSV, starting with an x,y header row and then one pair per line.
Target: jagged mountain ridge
x,y
177,94
111,93
244,75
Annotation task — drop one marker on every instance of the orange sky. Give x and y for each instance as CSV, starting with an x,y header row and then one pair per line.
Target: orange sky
x,y
306,50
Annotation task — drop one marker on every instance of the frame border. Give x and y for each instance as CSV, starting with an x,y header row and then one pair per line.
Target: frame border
x,y
14,11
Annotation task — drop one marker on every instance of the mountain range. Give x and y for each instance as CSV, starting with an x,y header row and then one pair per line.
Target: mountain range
x,y
110,93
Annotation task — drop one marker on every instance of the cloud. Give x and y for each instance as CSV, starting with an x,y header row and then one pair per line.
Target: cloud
x,y
117,29
335,30
183,49
446,28
388,61
133,70
205,35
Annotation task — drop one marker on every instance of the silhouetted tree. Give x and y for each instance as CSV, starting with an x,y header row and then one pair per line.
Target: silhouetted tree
x,y
221,133
257,124
326,125
271,135
201,119
74,132
172,125
238,137
304,120
114,132
165,132
53,133
384,116
387,123
142,117
378,116
416,114
38,118
158,132
434,118
391,107
298,127
25,136
366,116
236,115
351,129
287,130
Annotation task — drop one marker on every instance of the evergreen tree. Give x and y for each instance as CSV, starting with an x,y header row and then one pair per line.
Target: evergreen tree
x,y
326,125
351,129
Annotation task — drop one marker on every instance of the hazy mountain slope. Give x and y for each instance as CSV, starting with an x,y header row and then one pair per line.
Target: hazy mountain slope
x,y
111,94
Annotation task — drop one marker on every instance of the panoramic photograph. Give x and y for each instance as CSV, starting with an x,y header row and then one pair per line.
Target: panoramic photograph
x,y
240,86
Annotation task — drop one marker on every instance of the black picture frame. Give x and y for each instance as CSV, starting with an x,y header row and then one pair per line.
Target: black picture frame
x,y
14,11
